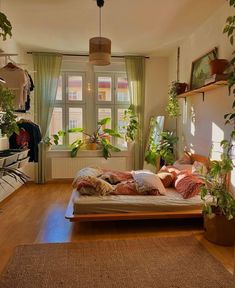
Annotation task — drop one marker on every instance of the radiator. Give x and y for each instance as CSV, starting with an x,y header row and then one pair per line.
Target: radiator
x,y
62,168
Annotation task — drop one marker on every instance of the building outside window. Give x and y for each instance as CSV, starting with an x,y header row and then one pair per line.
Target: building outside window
x,y
110,99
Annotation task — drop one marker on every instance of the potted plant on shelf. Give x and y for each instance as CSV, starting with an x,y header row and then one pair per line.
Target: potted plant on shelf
x,y
100,138
8,123
217,66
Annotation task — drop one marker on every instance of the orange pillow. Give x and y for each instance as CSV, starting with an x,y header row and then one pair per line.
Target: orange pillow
x,y
167,178
188,185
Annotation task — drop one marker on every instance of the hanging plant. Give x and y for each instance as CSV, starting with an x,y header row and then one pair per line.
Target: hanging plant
x,y
5,27
131,128
173,108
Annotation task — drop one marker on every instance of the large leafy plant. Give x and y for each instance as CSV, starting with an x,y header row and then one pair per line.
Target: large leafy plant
x,y
163,149
101,136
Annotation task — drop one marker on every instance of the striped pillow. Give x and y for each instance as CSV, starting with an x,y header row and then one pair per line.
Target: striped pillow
x,y
188,185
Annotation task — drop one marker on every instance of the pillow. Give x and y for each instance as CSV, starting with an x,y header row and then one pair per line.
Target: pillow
x,y
102,187
148,182
188,185
87,171
115,177
125,188
167,178
199,168
183,167
170,169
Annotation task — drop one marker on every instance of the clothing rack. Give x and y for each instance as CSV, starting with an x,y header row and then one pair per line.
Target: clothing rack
x,y
7,57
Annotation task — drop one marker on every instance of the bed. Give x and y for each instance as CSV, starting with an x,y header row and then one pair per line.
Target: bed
x,y
123,207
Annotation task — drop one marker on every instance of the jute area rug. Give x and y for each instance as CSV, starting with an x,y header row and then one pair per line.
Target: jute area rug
x,y
139,263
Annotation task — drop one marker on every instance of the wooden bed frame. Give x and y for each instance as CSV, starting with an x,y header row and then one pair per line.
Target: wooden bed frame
x,y
196,213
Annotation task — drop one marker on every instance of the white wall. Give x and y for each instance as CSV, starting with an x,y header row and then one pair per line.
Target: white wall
x,y
156,88
203,122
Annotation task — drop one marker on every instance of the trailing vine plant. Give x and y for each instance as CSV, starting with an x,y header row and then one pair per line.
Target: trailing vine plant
x,y
173,108
5,27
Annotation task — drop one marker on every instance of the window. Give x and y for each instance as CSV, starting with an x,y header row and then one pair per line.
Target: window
x,y
112,98
69,106
75,108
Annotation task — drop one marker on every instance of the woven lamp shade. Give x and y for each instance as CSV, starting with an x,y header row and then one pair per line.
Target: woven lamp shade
x,y
100,51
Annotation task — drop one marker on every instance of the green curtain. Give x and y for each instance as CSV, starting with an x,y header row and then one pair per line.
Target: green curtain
x,y
47,67
135,67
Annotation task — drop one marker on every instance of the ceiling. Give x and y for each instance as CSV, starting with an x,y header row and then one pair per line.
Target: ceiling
x,y
146,27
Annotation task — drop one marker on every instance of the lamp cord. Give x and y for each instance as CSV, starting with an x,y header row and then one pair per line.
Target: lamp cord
x,y
100,23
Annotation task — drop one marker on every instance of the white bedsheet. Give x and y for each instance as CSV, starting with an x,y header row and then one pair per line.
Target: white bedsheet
x,y
170,202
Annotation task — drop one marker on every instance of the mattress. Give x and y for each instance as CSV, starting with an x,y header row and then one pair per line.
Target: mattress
x,y
171,202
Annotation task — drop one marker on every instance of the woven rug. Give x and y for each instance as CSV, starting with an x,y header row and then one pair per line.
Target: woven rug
x,y
139,263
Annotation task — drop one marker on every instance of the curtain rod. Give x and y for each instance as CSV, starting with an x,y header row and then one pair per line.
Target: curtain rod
x,y
80,55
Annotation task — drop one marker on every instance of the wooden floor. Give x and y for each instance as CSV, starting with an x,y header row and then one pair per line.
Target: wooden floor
x,y
35,214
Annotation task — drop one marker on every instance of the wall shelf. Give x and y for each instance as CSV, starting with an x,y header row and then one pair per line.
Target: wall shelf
x,y
203,89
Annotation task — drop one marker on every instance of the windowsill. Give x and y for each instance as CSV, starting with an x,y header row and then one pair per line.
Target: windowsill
x,y
85,153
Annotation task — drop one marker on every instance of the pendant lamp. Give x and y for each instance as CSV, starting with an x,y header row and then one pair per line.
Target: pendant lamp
x,y
100,47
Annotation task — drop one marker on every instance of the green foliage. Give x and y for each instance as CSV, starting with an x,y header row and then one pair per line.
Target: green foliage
x,y
5,27
133,124
163,149
99,136
8,123
54,139
215,193
216,181
173,108
16,174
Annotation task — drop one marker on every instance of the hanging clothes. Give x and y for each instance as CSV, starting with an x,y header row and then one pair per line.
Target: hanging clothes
x,y
16,81
29,137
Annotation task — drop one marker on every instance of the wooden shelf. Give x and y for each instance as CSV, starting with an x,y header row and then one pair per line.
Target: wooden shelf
x,y
203,89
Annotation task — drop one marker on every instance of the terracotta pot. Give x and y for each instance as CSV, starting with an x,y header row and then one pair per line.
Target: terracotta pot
x,y
218,66
91,146
219,230
181,88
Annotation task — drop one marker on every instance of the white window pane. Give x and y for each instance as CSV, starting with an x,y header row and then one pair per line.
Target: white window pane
x,y
122,90
59,89
75,88
75,121
56,122
121,123
104,88
105,113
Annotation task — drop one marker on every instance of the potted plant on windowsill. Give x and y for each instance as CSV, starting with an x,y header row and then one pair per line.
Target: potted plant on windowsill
x,y
100,138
